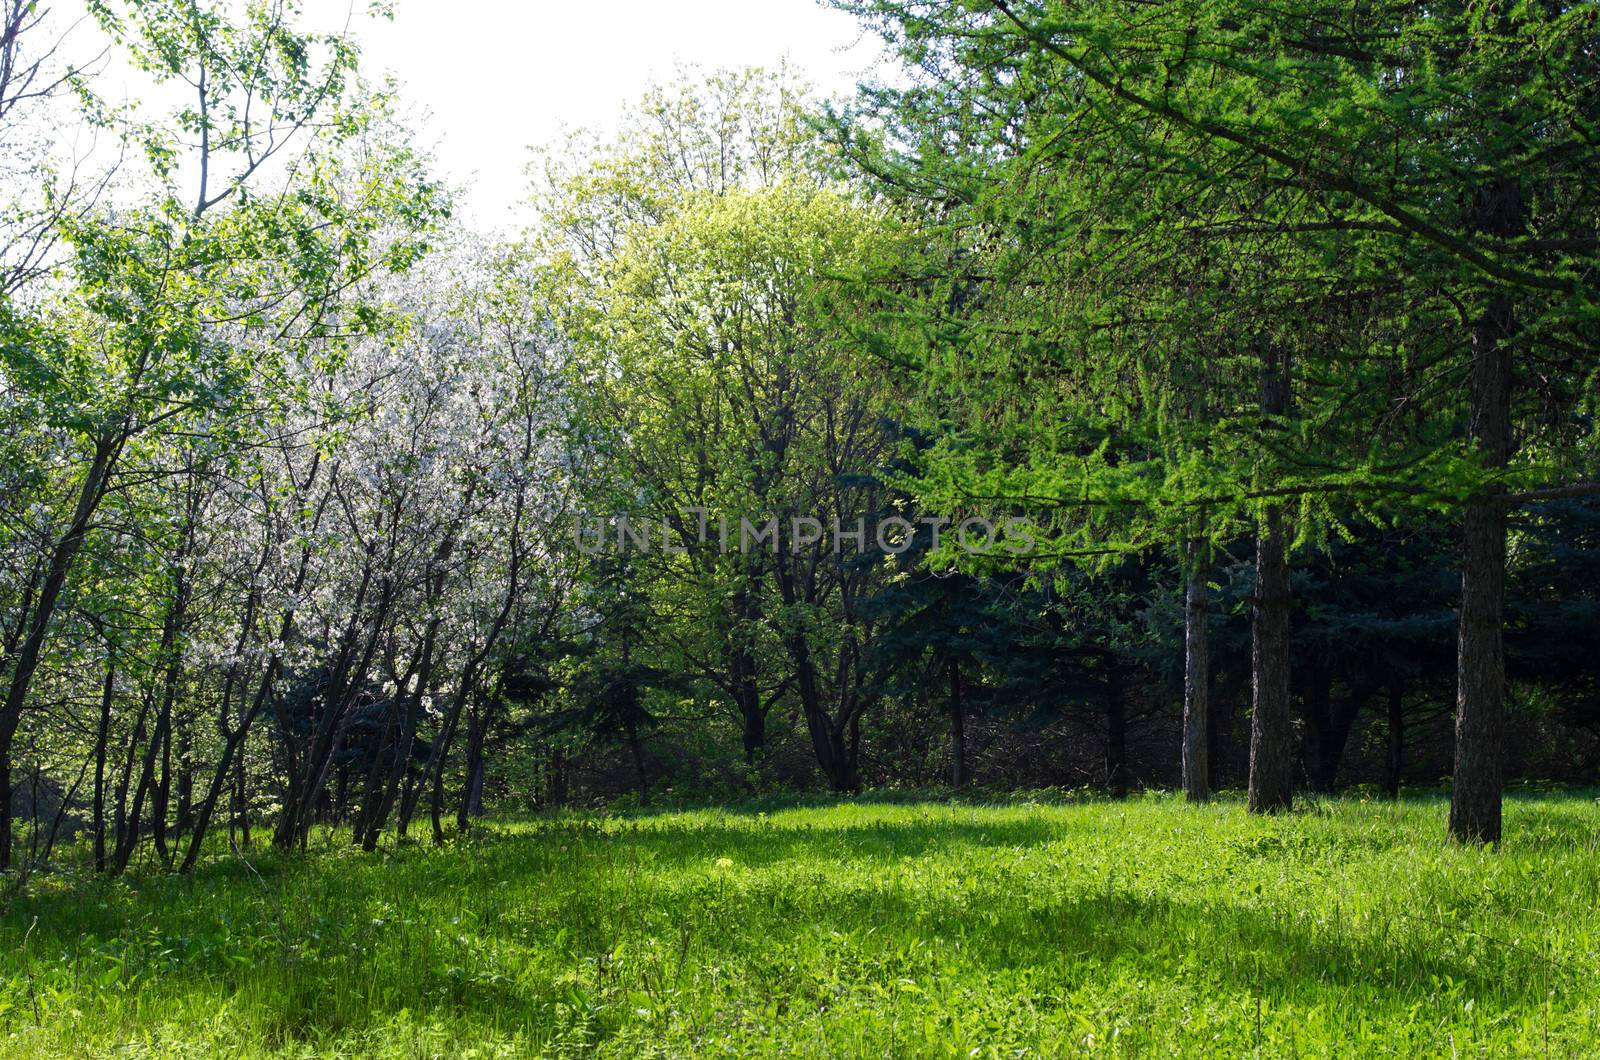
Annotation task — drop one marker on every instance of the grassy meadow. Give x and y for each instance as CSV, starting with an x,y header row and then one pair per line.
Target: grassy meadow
x,y
869,928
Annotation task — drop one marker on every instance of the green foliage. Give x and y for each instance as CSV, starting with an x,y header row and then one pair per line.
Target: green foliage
x,y
1135,204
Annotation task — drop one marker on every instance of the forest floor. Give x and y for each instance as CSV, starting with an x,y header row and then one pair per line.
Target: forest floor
x,y
878,928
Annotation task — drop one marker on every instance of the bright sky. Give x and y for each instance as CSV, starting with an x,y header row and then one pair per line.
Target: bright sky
x,y
489,78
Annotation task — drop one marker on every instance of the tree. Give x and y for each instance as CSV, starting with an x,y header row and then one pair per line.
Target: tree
x,y
175,307
717,361
1481,206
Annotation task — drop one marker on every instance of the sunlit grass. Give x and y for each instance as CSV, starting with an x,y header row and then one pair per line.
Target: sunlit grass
x,y
875,928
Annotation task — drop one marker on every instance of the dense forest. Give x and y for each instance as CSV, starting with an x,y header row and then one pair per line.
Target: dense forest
x,y
1119,396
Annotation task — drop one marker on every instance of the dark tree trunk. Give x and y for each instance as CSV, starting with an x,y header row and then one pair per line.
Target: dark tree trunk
x,y
835,739
310,763
1317,698
1475,791
102,739
742,674
241,803
230,771
125,778
25,662
830,740
161,790
1342,720
232,749
433,770
471,804
958,728
1481,674
1328,724
1271,735
364,832
399,762
410,791
185,808
1196,675
477,768
472,800
1397,739
1116,729
755,726
1221,752
128,842
636,750
5,802
557,781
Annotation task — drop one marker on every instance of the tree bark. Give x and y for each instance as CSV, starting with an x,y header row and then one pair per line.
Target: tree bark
x,y
1329,720
742,672
1196,675
241,800
1480,657
1271,743
1271,735
636,749
26,661
557,788
125,778
5,803
185,783
958,728
102,739
1116,729
1397,739
472,796
1317,699
161,790
1480,687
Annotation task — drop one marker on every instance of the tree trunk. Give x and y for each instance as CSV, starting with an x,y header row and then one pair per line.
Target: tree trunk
x,y
1341,720
185,809
5,802
129,841
1116,729
477,733
1222,727
161,790
125,778
742,674
1271,735
1480,659
232,763
1480,688
26,662
102,739
472,797
636,749
1196,675
241,796
958,728
1317,699
1397,739
201,818
1328,722
557,793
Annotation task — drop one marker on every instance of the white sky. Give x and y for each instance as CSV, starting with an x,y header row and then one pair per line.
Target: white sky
x,y
485,79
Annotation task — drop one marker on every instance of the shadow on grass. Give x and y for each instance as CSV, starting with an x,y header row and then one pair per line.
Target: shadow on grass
x,y
565,891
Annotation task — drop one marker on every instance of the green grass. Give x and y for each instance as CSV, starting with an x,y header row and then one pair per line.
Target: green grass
x,y
876,929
